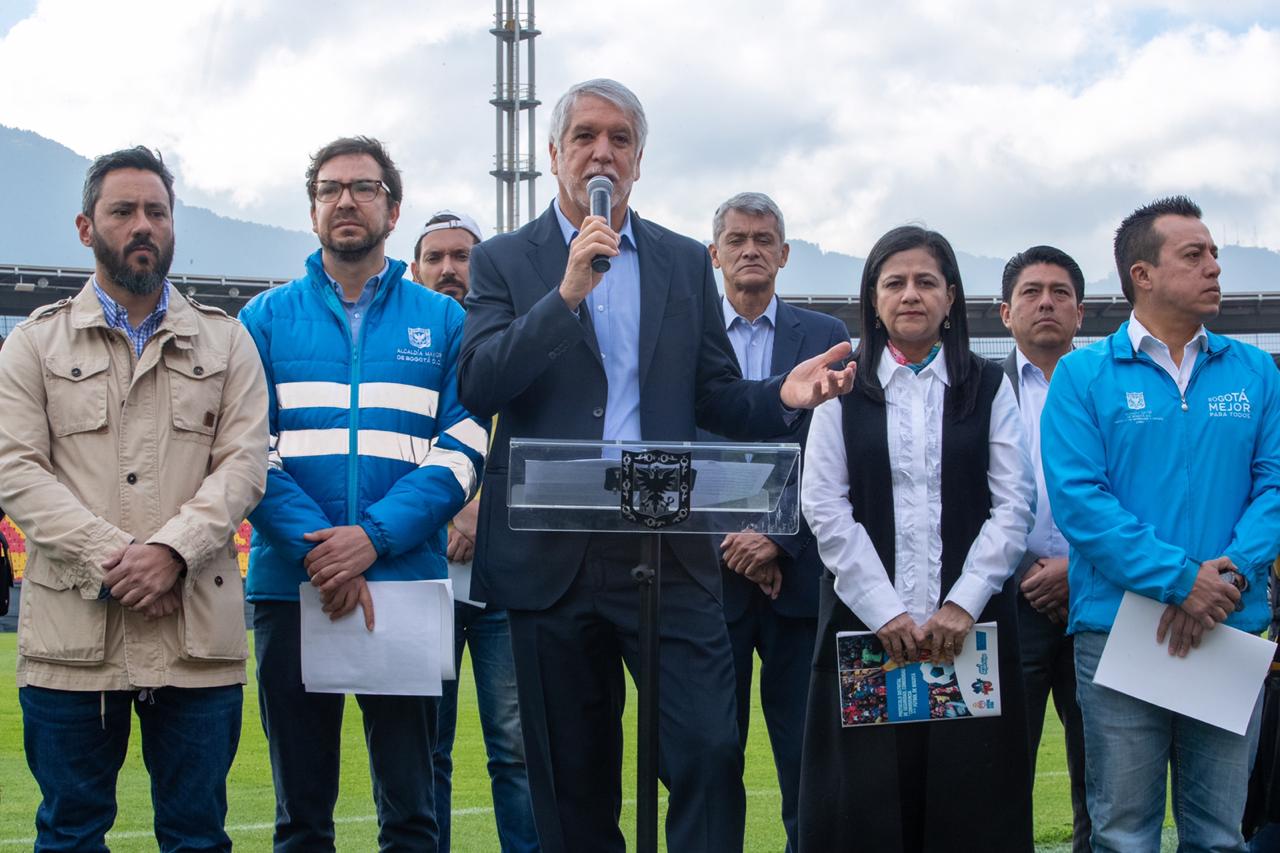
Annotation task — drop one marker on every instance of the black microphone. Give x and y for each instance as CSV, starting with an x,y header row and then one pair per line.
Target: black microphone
x,y
600,191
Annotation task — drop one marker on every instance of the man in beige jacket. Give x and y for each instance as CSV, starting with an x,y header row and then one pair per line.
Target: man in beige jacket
x,y
133,441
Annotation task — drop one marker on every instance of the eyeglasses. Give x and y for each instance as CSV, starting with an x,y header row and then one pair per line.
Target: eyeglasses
x,y
328,192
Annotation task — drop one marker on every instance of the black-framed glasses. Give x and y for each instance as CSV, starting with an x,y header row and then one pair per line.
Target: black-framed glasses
x,y
327,192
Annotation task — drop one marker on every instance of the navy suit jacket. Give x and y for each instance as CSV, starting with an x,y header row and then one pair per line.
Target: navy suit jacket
x,y
799,334
529,359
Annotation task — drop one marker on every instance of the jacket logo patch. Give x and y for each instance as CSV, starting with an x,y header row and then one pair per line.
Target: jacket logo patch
x,y
420,338
1232,405
1136,400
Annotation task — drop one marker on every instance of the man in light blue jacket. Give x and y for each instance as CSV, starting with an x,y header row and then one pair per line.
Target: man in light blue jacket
x,y
371,454
1161,451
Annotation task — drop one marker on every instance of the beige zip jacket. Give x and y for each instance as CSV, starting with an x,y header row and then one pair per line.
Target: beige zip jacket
x,y
99,448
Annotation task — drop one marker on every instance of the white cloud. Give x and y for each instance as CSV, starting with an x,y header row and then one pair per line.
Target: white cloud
x,y
1002,124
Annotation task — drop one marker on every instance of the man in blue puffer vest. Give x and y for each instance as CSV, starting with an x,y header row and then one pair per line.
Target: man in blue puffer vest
x,y
371,454
1161,450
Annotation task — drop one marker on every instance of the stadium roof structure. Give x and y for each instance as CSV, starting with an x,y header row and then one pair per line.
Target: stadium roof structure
x,y
25,287
1242,313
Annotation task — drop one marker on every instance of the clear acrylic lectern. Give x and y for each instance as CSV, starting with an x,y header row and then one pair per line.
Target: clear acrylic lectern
x,y
652,488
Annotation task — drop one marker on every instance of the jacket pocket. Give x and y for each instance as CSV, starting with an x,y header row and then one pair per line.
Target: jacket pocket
x,y
195,392
55,623
211,619
76,391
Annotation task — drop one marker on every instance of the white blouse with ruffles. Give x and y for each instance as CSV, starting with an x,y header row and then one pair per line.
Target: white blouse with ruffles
x,y
914,404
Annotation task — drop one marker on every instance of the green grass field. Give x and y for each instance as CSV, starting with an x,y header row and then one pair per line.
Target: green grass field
x,y
251,801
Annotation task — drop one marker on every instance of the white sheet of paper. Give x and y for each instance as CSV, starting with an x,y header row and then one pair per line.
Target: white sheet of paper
x,y
460,574
408,653
1217,683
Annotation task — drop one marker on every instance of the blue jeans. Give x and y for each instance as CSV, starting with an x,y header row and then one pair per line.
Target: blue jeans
x,y
76,743
1130,743
495,678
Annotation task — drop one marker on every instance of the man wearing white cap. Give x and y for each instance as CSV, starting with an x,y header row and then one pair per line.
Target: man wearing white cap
x,y
442,255
441,261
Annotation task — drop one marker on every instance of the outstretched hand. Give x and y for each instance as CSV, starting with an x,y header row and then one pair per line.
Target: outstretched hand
x,y
819,379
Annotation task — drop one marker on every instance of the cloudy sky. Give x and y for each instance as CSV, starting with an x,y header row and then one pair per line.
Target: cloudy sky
x,y
1001,124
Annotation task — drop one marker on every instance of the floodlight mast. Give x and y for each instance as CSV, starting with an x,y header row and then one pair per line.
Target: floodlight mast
x,y
514,103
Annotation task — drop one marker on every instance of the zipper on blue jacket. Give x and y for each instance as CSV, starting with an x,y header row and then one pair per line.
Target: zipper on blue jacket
x,y
356,344
1201,360
353,428
353,400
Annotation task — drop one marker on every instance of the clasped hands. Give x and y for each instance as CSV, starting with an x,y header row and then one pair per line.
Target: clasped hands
x,y
144,578
1210,601
755,557
461,546
336,566
939,639
1045,588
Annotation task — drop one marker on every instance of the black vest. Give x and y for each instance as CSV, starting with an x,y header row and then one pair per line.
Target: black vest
x,y
966,497
970,780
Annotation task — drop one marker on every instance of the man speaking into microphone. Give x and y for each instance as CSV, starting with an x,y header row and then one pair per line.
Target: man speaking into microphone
x,y
562,350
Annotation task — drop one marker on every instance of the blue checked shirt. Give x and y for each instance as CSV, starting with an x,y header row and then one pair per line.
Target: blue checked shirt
x,y
118,317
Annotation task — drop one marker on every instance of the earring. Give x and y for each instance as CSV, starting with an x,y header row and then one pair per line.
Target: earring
x,y
946,324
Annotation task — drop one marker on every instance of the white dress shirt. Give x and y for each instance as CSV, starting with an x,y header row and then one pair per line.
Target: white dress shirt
x,y
1158,350
914,404
1044,540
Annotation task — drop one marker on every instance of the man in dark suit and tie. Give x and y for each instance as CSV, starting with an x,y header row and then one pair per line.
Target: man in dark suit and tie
x,y
770,582
1043,306
637,353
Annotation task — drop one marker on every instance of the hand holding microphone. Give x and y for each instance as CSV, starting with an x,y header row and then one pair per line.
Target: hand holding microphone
x,y
592,248
600,191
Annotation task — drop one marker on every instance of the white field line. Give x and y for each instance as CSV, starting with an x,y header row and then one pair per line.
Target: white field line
x,y
475,810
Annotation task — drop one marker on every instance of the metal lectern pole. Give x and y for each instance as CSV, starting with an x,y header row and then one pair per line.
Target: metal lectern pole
x,y
648,578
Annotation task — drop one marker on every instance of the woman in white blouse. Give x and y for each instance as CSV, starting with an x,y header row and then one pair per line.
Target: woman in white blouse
x,y
918,488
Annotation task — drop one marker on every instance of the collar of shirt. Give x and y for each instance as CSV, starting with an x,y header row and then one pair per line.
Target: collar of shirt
x,y
1144,341
566,227
370,286
731,314
1027,369
888,369
117,316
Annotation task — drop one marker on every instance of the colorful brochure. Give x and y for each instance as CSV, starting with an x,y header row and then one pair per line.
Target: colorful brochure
x,y
873,689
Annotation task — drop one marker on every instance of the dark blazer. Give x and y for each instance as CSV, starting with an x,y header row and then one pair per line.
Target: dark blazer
x,y
799,334
526,356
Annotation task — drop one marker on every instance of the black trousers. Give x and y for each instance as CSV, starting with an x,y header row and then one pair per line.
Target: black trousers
x,y
569,675
785,646
915,787
304,733
1048,664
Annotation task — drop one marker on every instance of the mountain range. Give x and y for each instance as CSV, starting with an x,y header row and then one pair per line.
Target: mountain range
x,y
43,181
